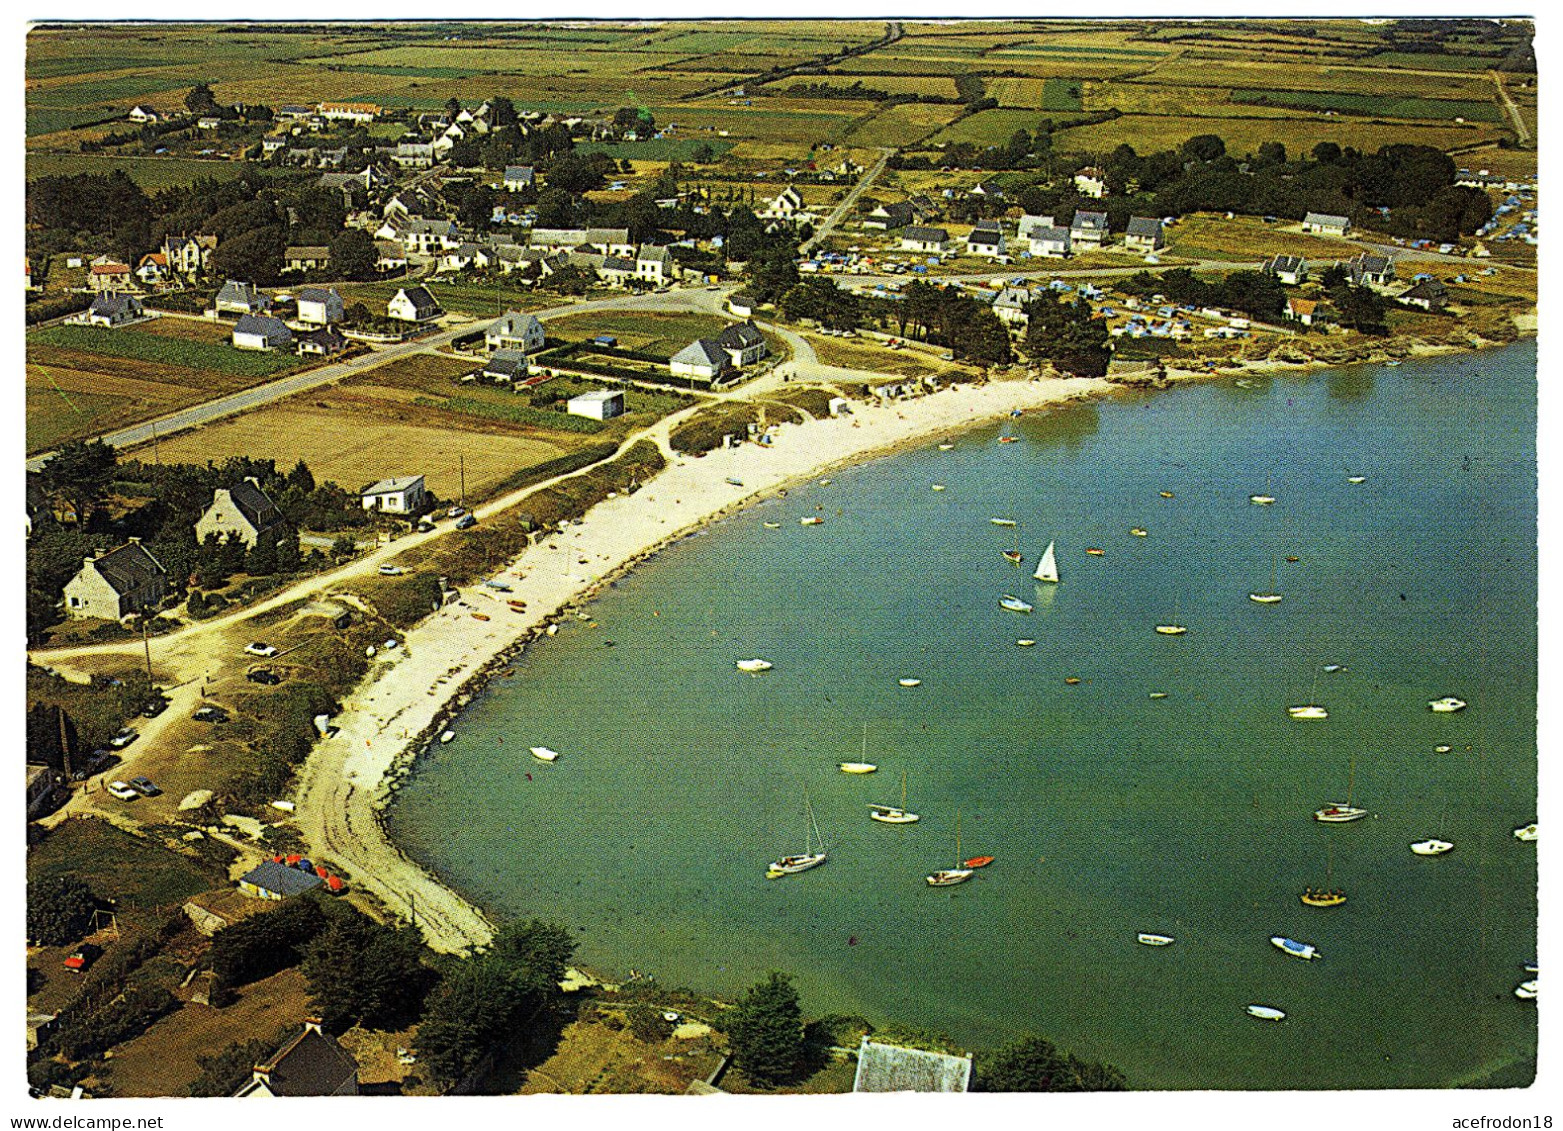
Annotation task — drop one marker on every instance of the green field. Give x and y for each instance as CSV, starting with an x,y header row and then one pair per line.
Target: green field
x,y
658,149
660,334
989,127
140,875
159,348
148,172
54,416
1150,133
1436,62
1061,94
1373,105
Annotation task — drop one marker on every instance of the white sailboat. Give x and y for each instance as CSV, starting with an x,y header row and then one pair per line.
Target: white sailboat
x,y
1173,629
1013,604
1047,568
544,754
894,814
1269,596
1309,710
813,854
948,877
1263,500
1336,813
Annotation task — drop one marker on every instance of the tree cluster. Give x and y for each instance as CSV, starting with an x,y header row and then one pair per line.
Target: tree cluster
x,y
1252,292
1066,334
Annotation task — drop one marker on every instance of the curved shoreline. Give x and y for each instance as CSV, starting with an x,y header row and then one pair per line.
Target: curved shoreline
x,y
396,712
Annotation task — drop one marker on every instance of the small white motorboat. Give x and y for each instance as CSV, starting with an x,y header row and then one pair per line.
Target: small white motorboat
x,y
811,520
753,666
1334,667
1433,847
1158,694
1153,940
909,682
447,736
1446,705
1294,948
1442,748
1526,991
1264,598
1024,643
1014,604
771,525
544,754
856,767
1002,521
1171,629
1527,832
938,486
1308,711
1265,1012
1261,500
945,447
1356,479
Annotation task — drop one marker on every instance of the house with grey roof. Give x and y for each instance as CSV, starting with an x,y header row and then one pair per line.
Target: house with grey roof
x,y
655,264
413,304
892,1068
616,270
934,240
306,258
703,358
403,494
1429,294
324,341
1091,182
429,236
1010,305
888,216
1291,270
413,155
744,343
113,309
1366,270
242,511
312,1063
986,239
515,330
1326,224
1144,235
518,177
598,404
1050,243
319,306
115,584
506,366
261,332
241,298
1088,229
276,881
1029,224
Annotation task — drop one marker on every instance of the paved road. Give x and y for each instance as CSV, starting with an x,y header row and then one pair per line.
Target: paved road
x,y
847,202
246,399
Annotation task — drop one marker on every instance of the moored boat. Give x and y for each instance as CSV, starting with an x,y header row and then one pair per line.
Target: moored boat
x,y
447,736
1356,479
1002,521
1308,711
1265,1012
544,754
1013,604
894,814
1446,705
1526,832
947,877
1095,551
753,666
811,520
1294,948
771,525
1337,814
1024,643
977,862
1138,531
1154,940
1318,897
1526,991
1012,556
1171,629
813,854
909,682
1166,494
856,767
1432,847
938,486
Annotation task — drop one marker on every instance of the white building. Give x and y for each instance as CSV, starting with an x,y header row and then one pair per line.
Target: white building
x,y
515,331
599,404
403,495
319,306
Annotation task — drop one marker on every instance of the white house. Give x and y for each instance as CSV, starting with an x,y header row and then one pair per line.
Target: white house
x,y
935,240
242,511
1029,224
110,309
518,177
506,367
515,331
1144,234
1292,270
1010,306
743,343
702,358
114,584
413,155
1050,243
599,404
1325,223
655,264
241,298
986,239
143,114
787,205
319,306
1088,229
403,495
413,304
1375,271
361,113
260,332
1091,182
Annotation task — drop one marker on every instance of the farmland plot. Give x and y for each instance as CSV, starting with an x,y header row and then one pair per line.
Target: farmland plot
x,y
1149,133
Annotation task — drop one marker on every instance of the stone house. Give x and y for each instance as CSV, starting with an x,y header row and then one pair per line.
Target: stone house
x,y
242,511
115,584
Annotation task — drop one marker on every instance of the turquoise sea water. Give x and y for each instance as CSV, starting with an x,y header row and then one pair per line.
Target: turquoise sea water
x,y
1109,812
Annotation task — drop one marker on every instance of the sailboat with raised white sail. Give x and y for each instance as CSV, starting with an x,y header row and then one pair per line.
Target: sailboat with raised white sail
x,y
1047,568
813,854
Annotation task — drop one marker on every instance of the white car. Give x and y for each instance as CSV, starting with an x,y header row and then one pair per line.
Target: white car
x,y
257,648
123,739
455,512
392,570
122,791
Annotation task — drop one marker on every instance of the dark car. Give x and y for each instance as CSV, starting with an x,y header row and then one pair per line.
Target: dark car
x,y
466,520
155,707
144,787
263,675
210,715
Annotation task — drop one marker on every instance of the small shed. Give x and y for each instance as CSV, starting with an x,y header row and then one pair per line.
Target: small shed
x,y
599,404
273,880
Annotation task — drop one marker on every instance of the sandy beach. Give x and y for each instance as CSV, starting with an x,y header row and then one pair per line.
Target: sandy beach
x,y
411,692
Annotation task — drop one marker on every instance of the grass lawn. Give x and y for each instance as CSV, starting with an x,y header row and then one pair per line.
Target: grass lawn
x,y
1149,133
55,416
138,345
150,173
139,874
1249,238
989,127
851,354
653,333
480,300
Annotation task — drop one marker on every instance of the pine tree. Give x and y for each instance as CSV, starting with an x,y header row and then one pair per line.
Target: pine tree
x,y
766,1032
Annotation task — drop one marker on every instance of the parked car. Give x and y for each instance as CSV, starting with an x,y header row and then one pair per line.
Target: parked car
x,y
144,787
466,520
455,512
155,707
263,675
122,791
210,715
83,957
259,648
124,738
392,570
